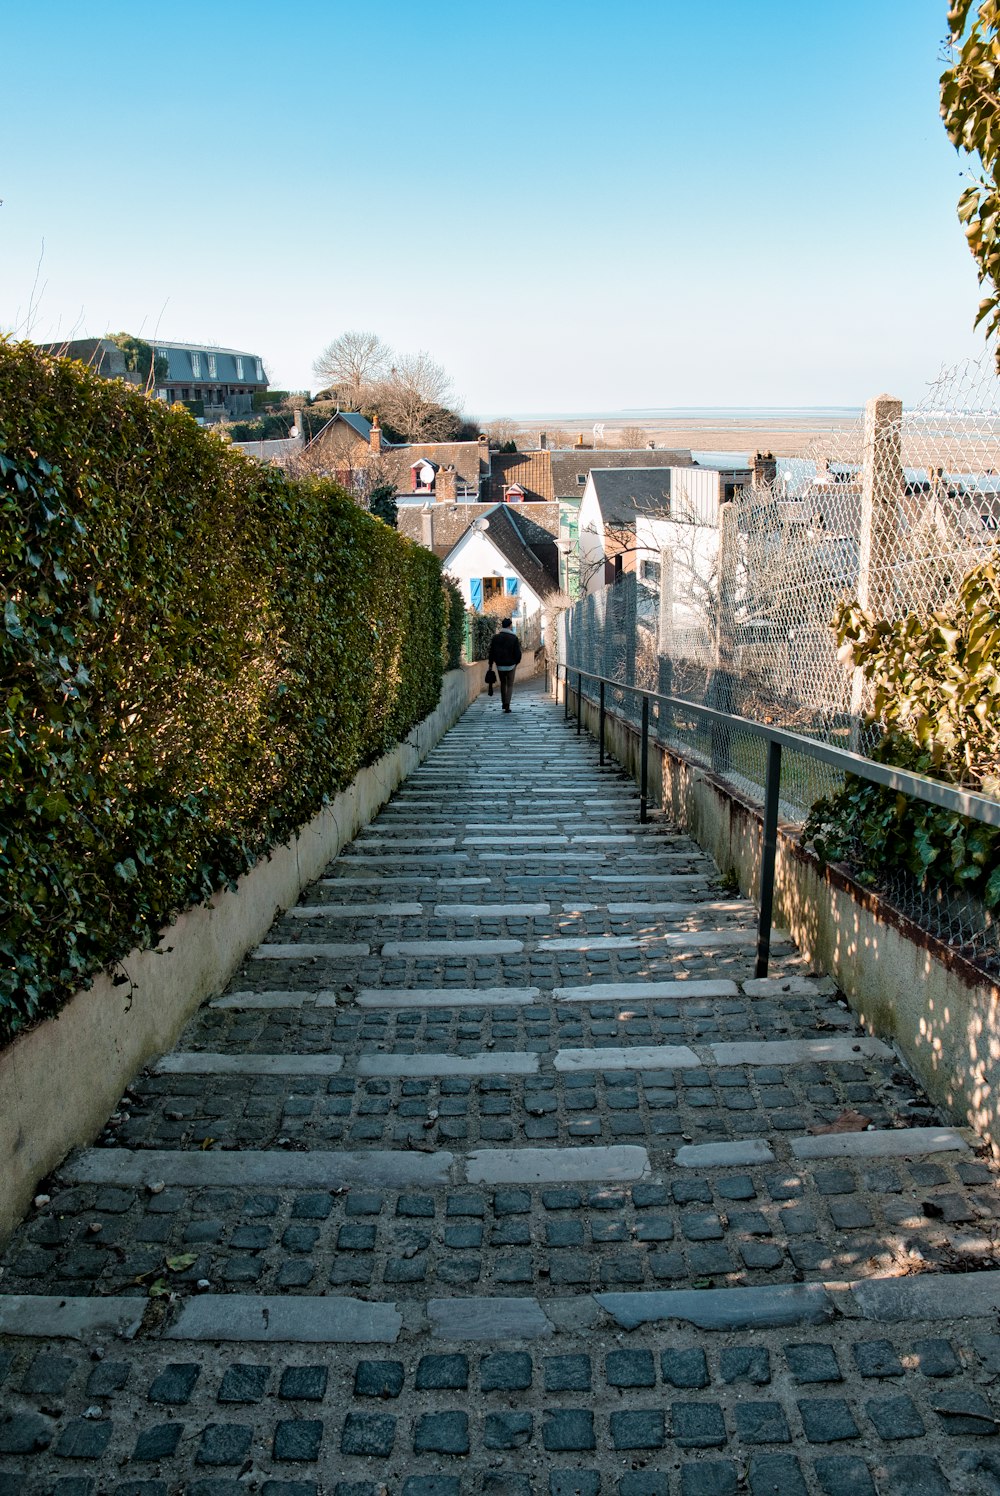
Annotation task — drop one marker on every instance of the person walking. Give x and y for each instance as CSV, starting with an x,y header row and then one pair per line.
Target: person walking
x,y
505,654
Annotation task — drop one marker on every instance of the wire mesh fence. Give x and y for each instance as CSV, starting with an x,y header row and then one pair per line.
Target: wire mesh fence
x,y
737,614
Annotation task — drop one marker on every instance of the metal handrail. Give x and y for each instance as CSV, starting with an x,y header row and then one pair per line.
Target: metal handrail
x,y
963,802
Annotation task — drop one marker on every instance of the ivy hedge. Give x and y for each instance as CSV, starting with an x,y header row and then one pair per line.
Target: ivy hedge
x,y
197,652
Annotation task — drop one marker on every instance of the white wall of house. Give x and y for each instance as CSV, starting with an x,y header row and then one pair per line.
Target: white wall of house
x,y
475,555
683,559
591,541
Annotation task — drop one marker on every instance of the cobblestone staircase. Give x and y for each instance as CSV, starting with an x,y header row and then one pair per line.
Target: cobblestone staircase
x,y
495,1171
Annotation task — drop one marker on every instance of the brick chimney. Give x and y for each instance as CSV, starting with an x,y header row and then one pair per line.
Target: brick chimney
x,y
446,484
483,443
543,441
765,469
375,437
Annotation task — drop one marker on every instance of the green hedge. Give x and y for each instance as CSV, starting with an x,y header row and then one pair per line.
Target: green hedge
x,y
196,653
456,624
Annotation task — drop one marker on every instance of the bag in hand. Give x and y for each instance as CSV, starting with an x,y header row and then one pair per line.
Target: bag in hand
x,y
491,680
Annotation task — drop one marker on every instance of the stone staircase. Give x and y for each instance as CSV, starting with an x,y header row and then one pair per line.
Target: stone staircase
x,y
495,1170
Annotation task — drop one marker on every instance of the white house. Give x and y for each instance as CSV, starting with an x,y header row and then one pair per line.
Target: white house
x,y
492,561
614,502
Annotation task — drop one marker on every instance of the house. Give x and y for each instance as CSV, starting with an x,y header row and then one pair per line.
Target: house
x,y
613,498
218,383
439,527
498,570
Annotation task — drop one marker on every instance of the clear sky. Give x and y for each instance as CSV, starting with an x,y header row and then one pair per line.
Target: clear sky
x,y
570,205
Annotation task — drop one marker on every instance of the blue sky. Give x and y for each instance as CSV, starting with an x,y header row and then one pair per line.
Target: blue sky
x,y
571,206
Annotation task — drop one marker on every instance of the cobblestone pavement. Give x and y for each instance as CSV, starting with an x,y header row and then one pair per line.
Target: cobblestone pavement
x,y
495,1171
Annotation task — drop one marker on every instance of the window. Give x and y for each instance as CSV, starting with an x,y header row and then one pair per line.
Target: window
x,y
492,587
196,365
239,368
650,571
260,371
581,478
213,372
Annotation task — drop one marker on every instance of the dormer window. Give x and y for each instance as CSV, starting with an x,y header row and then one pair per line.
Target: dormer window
x,y
196,365
213,371
239,368
260,371
513,494
424,473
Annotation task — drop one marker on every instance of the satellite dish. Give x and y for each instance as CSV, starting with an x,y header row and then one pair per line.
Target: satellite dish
x,y
479,525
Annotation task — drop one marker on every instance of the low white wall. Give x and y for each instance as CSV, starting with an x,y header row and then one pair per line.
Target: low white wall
x,y
60,1082
904,985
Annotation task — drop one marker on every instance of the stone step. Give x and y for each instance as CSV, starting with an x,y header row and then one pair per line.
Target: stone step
x,y
300,1319
335,1169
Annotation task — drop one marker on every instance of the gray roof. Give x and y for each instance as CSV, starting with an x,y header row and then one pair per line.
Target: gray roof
x,y
357,422
107,359
569,462
232,365
625,492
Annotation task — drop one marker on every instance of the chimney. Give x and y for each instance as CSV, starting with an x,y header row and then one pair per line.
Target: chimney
x,y
446,484
543,441
375,436
765,469
483,443
427,527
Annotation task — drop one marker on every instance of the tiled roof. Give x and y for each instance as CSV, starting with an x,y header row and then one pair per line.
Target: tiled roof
x,y
539,523
531,471
568,462
506,532
462,456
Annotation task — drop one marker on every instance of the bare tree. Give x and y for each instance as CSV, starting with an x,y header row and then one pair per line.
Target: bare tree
x,y
503,430
633,437
414,398
353,364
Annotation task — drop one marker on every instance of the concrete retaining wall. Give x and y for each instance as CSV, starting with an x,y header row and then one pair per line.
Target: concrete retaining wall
x,y
904,985
60,1082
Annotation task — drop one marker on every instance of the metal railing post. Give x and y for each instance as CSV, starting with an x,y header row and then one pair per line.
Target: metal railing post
x,y
644,766
579,703
602,724
566,695
771,794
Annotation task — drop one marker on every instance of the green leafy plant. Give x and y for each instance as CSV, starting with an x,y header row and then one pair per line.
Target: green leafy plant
x,y
140,359
484,626
196,653
970,108
456,625
937,703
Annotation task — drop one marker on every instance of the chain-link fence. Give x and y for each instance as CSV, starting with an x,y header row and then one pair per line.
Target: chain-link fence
x,y
737,614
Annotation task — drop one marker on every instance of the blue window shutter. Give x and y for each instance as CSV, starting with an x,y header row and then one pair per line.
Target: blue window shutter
x,y
512,586
476,591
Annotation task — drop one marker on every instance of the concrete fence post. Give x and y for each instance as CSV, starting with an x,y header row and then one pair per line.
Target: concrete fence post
x,y
878,540
721,693
665,649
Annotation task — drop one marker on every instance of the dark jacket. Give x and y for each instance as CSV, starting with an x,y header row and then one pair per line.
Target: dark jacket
x,y
505,648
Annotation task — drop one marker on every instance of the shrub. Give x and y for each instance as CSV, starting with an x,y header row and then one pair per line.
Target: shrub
x,y
197,652
937,703
484,626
